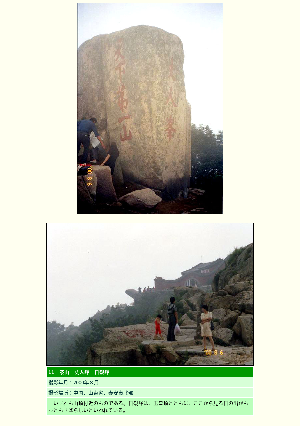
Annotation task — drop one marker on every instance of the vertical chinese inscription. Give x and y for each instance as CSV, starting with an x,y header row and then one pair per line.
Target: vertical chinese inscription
x,y
121,97
170,129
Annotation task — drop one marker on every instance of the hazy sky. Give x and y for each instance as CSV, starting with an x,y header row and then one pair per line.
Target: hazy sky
x,y
200,28
91,265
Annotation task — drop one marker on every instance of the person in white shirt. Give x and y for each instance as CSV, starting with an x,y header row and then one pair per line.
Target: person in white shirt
x,y
206,318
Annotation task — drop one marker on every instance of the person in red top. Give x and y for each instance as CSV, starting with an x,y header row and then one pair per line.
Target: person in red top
x,y
157,326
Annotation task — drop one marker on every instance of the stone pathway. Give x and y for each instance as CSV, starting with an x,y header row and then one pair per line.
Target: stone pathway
x,y
188,327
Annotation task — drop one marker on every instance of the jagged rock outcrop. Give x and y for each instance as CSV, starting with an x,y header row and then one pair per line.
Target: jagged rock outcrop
x,y
132,81
243,302
238,268
244,329
236,287
141,199
231,303
222,336
229,313
187,321
230,319
136,295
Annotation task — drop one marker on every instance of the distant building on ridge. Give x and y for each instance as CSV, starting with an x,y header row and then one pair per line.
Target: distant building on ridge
x,y
200,276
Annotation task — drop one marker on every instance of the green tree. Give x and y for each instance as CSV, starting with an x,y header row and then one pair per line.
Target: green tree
x,y
219,138
55,332
74,351
207,165
207,156
54,328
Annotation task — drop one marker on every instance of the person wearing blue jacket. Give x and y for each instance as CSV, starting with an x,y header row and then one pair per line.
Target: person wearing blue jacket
x,y
84,129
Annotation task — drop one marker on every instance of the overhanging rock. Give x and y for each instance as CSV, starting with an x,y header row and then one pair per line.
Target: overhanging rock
x,y
132,81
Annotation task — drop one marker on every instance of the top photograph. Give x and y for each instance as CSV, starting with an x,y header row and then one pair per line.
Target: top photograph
x,y
150,108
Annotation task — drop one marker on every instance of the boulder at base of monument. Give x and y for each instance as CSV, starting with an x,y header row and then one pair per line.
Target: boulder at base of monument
x,y
141,199
105,191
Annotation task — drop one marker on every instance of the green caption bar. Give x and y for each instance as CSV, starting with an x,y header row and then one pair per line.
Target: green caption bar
x,y
150,371
165,406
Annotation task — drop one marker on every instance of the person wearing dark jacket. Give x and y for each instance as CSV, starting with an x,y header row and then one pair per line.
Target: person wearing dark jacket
x,y
173,319
111,157
84,129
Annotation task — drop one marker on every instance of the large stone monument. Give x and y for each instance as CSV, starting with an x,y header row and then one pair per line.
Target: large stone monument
x,y
132,81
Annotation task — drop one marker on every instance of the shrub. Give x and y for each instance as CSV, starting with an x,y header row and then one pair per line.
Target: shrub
x,y
232,258
216,281
180,308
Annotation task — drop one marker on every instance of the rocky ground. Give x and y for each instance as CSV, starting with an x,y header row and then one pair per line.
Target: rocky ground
x,y
136,345
234,355
197,202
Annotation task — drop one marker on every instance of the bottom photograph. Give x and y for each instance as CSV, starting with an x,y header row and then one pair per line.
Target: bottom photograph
x,y
150,294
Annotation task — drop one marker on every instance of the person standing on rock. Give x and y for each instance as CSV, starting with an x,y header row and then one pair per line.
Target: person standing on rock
x,y
84,129
173,319
206,318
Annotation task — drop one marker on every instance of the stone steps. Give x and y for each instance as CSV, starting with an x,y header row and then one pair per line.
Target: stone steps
x,y
182,343
188,327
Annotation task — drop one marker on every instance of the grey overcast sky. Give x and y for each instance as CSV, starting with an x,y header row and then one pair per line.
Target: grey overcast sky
x,y
200,28
91,265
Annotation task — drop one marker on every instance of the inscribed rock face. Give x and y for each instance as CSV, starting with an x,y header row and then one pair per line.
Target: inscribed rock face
x,y
132,81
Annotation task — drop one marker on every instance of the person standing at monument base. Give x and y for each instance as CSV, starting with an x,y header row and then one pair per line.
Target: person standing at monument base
x,y
110,159
84,129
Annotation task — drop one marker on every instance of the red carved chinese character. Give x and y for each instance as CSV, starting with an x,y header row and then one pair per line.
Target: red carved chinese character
x,y
126,117
171,98
120,69
126,137
170,130
118,53
122,101
171,70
